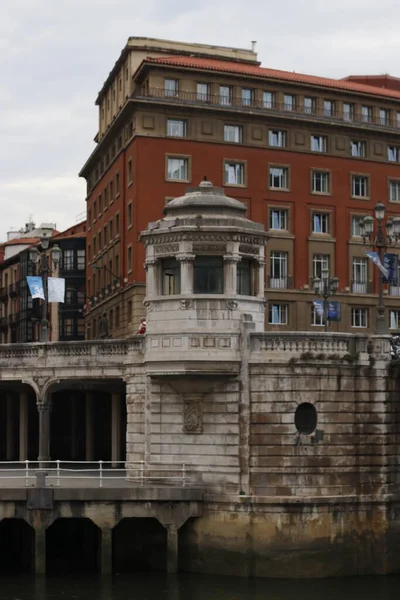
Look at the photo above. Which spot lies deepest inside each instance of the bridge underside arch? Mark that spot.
(19, 422)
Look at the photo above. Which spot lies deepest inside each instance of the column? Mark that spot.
(44, 409)
(10, 428)
(172, 548)
(261, 278)
(23, 426)
(74, 428)
(115, 429)
(40, 551)
(106, 551)
(89, 427)
(230, 274)
(187, 275)
(151, 266)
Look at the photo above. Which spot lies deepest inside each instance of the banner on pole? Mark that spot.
(319, 307)
(334, 311)
(56, 289)
(391, 263)
(374, 256)
(35, 285)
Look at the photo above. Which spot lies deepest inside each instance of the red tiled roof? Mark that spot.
(223, 66)
(22, 241)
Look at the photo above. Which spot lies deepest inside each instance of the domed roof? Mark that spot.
(208, 199)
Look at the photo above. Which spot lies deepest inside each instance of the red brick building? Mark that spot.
(310, 157)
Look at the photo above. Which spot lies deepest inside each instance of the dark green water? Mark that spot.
(198, 587)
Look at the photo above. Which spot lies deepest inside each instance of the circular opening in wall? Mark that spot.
(305, 418)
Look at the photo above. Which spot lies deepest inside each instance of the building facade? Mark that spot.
(309, 156)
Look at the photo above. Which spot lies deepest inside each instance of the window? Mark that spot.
(366, 114)
(117, 187)
(89, 218)
(177, 168)
(359, 317)
(117, 316)
(394, 289)
(316, 318)
(393, 154)
(129, 215)
(268, 99)
(208, 275)
(320, 263)
(171, 87)
(278, 270)
(100, 204)
(384, 116)
(277, 138)
(320, 182)
(203, 92)
(234, 173)
(68, 260)
(105, 196)
(130, 171)
(171, 276)
(117, 264)
(278, 314)
(394, 319)
(89, 253)
(360, 276)
(320, 223)
(233, 133)
(117, 224)
(289, 102)
(398, 118)
(176, 128)
(359, 186)
(94, 248)
(129, 259)
(309, 105)
(329, 108)
(99, 237)
(111, 192)
(247, 97)
(356, 225)
(358, 149)
(110, 230)
(105, 231)
(394, 190)
(279, 178)
(318, 143)
(81, 259)
(348, 111)
(278, 219)
(225, 95)
(243, 278)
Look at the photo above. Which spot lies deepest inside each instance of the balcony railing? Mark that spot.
(394, 290)
(251, 105)
(14, 289)
(362, 287)
(279, 283)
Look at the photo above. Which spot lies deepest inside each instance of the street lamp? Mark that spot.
(325, 287)
(380, 241)
(44, 266)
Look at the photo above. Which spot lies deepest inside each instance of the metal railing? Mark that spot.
(279, 283)
(258, 104)
(78, 474)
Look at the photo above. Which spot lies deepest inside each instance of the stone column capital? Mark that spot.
(185, 257)
(232, 258)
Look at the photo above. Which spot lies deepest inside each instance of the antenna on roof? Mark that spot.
(253, 45)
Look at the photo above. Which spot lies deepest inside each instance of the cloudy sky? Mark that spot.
(55, 55)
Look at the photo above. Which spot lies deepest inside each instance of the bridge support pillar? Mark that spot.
(115, 429)
(44, 431)
(40, 551)
(23, 426)
(10, 442)
(106, 551)
(89, 427)
(172, 548)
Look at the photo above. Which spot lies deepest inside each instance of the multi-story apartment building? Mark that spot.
(310, 156)
(20, 315)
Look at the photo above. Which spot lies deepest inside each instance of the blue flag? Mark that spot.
(36, 287)
(374, 256)
(391, 262)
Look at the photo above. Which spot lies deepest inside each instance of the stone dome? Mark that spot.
(206, 199)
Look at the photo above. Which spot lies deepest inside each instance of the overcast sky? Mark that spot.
(55, 55)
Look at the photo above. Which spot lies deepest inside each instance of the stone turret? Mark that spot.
(205, 265)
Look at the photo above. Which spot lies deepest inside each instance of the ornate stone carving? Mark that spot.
(185, 258)
(247, 249)
(231, 304)
(232, 258)
(149, 306)
(220, 248)
(185, 304)
(206, 237)
(193, 414)
(167, 250)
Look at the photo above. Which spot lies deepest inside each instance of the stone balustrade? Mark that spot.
(297, 343)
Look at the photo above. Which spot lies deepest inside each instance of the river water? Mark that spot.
(198, 587)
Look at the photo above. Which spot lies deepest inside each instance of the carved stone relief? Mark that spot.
(193, 413)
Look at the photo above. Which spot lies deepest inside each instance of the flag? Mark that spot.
(390, 262)
(377, 261)
(319, 307)
(56, 289)
(35, 285)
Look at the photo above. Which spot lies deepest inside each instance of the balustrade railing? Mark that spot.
(292, 342)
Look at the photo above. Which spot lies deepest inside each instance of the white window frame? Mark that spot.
(278, 175)
(203, 92)
(359, 269)
(234, 173)
(278, 269)
(320, 262)
(309, 105)
(359, 183)
(317, 320)
(320, 220)
(280, 217)
(394, 190)
(329, 108)
(393, 153)
(355, 225)
(394, 318)
(366, 114)
(320, 179)
(233, 134)
(247, 96)
(184, 165)
(176, 128)
(276, 138)
(348, 111)
(171, 88)
(268, 99)
(359, 317)
(289, 102)
(384, 116)
(225, 95)
(394, 290)
(358, 148)
(279, 313)
(318, 143)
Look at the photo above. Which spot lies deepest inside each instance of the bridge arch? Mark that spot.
(19, 421)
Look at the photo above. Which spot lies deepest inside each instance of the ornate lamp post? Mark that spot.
(325, 288)
(46, 261)
(380, 241)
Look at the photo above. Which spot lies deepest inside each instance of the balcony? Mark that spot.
(14, 289)
(236, 103)
(279, 283)
(3, 294)
(362, 287)
(394, 290)
(3, 324)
